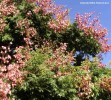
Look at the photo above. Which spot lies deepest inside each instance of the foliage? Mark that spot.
(63, 82)
(38, 48)
(43, 81)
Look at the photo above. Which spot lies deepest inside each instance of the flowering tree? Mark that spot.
(86, 36)
(24, 25)
(20, 24)
(93, 29)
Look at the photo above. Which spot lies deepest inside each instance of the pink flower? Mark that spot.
(93, 28)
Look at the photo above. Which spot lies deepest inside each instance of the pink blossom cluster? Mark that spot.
(60, 59)
(2, 25)
(85, 86)
(7, 8)
(23, 23)
(28, 32)
(106, 84)
(60, 20)
(94, 29)
(4, 90)
(10, 65)
(101, 65)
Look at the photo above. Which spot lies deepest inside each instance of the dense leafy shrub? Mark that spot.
(63, 82)
(44, 83)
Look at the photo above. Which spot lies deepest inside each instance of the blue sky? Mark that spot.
(104, 10)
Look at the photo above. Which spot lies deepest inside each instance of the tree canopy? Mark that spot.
(44, 56)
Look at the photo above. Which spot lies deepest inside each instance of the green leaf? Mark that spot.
(7, 37)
